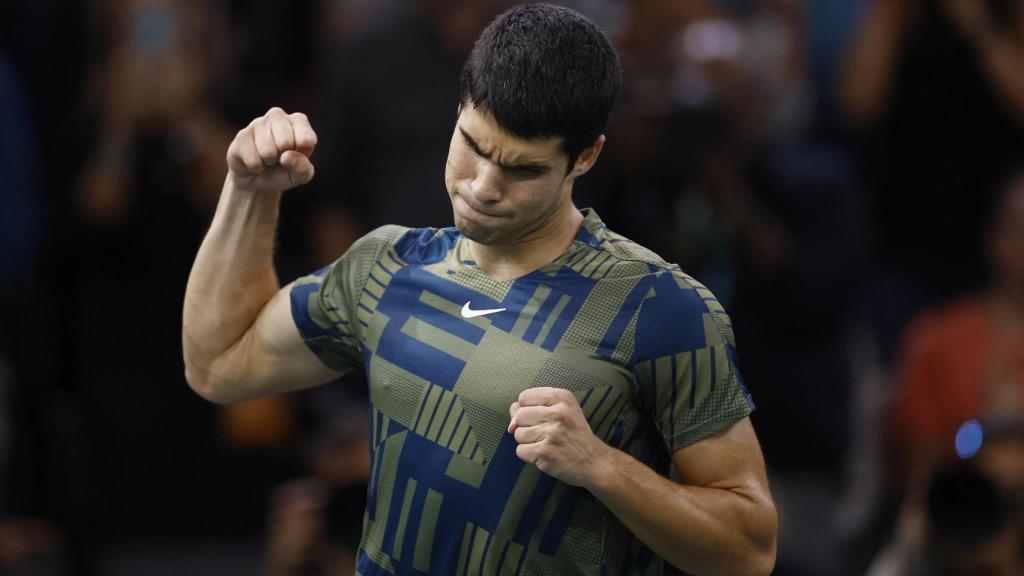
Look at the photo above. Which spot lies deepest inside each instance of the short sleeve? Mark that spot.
(324, 303)
(685, 362)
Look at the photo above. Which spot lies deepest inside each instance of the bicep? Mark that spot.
(730, 459)
(727, 472)
(279, 360)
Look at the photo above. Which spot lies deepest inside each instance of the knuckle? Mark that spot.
(275, 111)
(265, 144)
(283, 132)
(259, 127)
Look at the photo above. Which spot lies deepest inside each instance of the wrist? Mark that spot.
(602, 472)
(244, 208)
(242, 190)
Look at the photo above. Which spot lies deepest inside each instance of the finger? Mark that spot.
(530, 434)
(281, 131)
(242, 155)
(533, 415)
(305, 137)
(265, 146)
(530, 452)
(512, 415)
(234, 158)
(541, 396)
(300, 169)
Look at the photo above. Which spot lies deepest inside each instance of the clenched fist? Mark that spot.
(272, 153)
(554, 435)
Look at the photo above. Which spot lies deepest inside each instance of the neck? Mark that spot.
(549, 241)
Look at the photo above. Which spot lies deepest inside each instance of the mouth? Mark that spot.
(475, 213)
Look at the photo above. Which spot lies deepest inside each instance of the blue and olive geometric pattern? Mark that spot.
(646, 350)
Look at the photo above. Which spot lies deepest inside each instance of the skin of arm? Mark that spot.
(1000, 53)
(866, 76)
(238, 337)
(718, 519)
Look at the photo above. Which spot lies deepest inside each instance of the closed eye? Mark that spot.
(521, 171)
(525, 171)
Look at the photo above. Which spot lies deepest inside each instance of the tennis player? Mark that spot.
(546, 396)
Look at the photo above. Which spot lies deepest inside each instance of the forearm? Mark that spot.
(700, 530)
(231, 280)
(866, 75)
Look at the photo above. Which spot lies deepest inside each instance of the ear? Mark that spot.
(585, 161)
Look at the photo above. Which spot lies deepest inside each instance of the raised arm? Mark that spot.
(238, 336)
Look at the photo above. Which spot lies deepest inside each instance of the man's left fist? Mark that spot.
(554, 435)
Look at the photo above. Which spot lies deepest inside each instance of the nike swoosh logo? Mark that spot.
(469, 313)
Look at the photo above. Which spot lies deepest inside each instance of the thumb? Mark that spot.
(298, 166)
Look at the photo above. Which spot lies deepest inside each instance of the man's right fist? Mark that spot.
(272, 153)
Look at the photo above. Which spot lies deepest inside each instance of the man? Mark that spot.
(533, 376)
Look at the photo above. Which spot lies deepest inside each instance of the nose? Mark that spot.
(486, 185)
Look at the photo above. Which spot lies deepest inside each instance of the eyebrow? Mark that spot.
(530, 167)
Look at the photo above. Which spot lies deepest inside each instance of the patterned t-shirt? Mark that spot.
(646, 349)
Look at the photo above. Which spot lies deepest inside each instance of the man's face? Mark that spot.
(503, 188)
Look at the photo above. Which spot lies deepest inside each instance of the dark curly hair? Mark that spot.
(544, 71)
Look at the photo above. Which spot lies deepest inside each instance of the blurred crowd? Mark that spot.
(847, 177)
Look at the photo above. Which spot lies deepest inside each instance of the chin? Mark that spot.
(477, 233)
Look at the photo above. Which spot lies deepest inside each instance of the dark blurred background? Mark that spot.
(845, 175)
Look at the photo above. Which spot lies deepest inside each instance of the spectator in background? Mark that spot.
(964, 518)
(315, 522)
(387, 93)
(143, 197)
(964, 360)
(932, 92)
(936, 89)
(22, 538)
(960, 387)
(151, 90)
